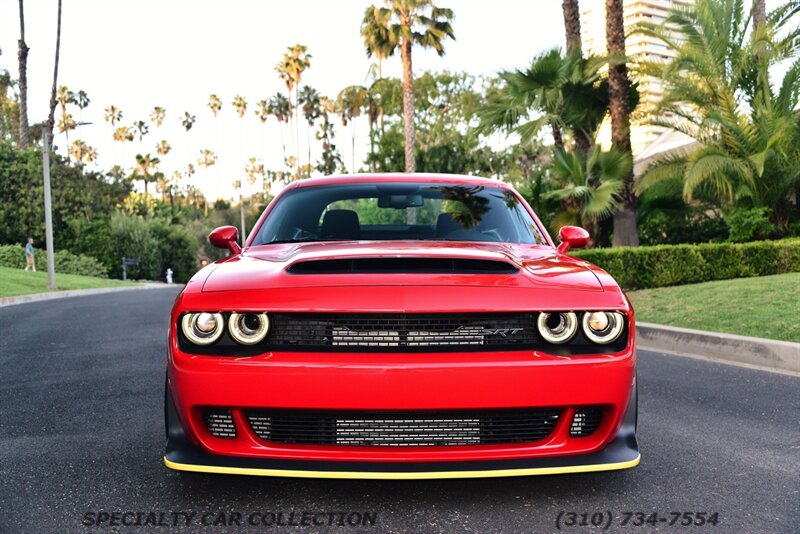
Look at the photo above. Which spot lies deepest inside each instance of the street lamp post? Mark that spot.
(48, 208)
(48, 213)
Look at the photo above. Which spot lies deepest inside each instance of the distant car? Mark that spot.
(400, 326)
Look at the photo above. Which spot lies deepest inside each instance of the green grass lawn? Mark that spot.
(768, 306)
(19, 282)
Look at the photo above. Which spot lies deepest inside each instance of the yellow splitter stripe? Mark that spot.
(420, 475)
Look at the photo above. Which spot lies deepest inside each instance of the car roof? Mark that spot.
(398, 177)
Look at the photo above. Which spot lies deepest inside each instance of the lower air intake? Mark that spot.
(585, 422)
(403, 429)
(219, 423)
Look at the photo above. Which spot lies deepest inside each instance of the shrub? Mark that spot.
(669, 265)
(12, 256)
(65, 262)
(68, 263)
(747, 224)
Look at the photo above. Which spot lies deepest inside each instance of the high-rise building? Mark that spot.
(639, 48)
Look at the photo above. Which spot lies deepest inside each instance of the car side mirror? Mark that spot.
(572, 237)
(226, 237)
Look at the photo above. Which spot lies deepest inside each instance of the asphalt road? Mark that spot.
(81, 433)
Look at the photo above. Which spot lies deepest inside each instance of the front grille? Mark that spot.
(219, 422)
(407, 331)
(585, 422)
(403, 429)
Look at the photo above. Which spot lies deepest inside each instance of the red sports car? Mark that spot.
(400, 326)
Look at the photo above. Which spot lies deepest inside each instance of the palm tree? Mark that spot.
(310, 102)
(51, 114)
(82, 152)
(141, 128)
(719, 92)
(625, 232)
(158, 115)
(290, 69)
(330, 159)
(215, 104)
(22, 57)
(377, 37)
(113, 115)
(146, 169)
(188, 120)
(262, 111)
(82, 99)
(280, 107)
(349, 104)
(572, 24)
(561, 92)
(590, 185)
(66, 123)
(123, 133)
(240, 105)
(163, 148)
(207, 158)
(410, 22)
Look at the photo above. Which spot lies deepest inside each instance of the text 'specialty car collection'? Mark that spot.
(400, 326)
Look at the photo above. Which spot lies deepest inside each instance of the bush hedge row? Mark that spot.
(670, 265)
(65, 261)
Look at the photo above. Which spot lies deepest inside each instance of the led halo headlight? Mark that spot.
(603, 327)
(557, 327)
(203, 328)
(248, 328)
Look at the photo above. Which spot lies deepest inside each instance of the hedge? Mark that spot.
(671, 265)
(65, 261)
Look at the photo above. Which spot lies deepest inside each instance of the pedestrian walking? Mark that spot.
(169, 275)
(30, 257)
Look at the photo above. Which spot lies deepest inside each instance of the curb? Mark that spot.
(756, 352)
(51, 295)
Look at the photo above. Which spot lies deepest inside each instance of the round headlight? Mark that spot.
(558, 327)
(202, 328)
(248, 328)
(603, 327)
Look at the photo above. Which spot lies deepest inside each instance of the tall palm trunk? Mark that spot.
(51, 116)
(296, 129)
(572, 27)
(572, 24)
(23, 80)
(625, 232)
(408, 104)
(759, 13)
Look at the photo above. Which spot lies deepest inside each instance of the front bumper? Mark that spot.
(509, 380)
(621, 453)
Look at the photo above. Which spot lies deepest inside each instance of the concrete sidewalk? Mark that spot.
(50, 295)
(755, 352)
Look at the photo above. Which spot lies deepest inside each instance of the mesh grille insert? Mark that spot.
(585, 422)
(219, 422)
(408, 332)
(403, 429)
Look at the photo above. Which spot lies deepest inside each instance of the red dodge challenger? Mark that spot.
(400, 327)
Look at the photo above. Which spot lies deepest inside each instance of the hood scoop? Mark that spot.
(404, 265)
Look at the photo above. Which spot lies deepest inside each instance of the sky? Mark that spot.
(137, 54)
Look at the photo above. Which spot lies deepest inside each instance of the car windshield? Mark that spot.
(399, 211)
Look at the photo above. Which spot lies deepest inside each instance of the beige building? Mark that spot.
(638, 47)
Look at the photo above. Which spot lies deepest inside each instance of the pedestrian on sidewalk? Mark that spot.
(30, 258)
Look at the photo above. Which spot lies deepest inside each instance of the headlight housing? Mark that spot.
(557, 327)
(203, 328)
(248, 328)
(603, 327)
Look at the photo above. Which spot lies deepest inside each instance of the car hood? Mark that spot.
(265, 267)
